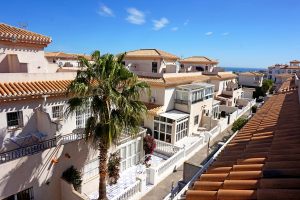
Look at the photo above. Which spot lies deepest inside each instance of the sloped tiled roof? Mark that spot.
(150, 53)
(32, 88)
(221, 76)
(153, 109)
(251, 74)
(174, 81)
(198, 59)
(14, 34)
(63, 55)
(262, 161)
(295, 61)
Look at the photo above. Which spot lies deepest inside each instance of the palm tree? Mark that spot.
(111, 93)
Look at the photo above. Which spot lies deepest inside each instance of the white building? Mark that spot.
(176, 106)
(65, 61)
(292, 68)
(250, 79)
(227, 89)
(197, 63)
(151, 62)
(37, 142)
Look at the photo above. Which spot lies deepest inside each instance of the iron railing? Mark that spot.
(25, 151)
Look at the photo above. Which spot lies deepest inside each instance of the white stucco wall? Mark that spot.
(144, 65)
(255, 81)
(31, 58)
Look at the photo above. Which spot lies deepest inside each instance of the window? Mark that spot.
(181, 66)
(23, 195)
(163, 128)
(130, 154)
(91, 169)
(81, 118)
(154, 67)
(196, 119)
(14, 119)
(181, 129)
(57, 111)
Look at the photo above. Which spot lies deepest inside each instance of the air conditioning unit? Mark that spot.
(152, 100)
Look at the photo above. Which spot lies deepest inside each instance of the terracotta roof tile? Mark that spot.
(263, 159)
(174, 81)
(153, 109)
(63, 55)
(23, 89)
(199, 59)
(150, 53)
(251, 74)
(14, 34)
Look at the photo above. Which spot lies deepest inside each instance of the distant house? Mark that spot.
(227, 89)
(64, 59)
(197, 63)
(151, 62)
(292, 68)
(250, 79)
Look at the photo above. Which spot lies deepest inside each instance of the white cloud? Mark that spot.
(209, 33)
(159, 24)
(174, 28)
(186, 22)
(106, 11)
(135, 16)
(225, 33)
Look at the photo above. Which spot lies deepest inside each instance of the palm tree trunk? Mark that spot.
(102, 170)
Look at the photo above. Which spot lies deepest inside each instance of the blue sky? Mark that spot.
(242, 33)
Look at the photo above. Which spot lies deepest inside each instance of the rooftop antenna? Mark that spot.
(23, 25)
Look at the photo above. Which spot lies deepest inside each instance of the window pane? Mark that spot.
(155, 134)
(169, 129)
(169, 120)
(162, 137)
(156, 125)
(168, 138)
(162, 127)
(163, 119)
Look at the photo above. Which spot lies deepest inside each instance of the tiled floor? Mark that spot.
(127, 179)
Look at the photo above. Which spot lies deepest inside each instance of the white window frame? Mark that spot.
(82, 117)
(57, 111)
(181, 129)
(130, 153)
(160, 131)
(91, 169)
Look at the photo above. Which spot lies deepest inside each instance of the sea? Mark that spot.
(243, 69)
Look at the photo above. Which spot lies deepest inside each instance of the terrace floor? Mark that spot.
(127, 179)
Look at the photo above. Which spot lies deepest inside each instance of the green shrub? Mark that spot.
(73, 176)
(254, 109)
(238, 124)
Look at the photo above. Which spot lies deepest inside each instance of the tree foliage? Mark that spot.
(238, 124)
(111, 93)
(73, 176)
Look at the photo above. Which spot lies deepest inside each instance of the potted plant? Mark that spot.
(73, 176)
(149, 146)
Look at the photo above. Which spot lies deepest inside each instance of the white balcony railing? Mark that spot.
(129, 192)
(166, 148)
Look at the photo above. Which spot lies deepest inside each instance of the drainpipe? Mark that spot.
(44, 102)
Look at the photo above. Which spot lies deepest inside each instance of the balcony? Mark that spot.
(193, 93)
